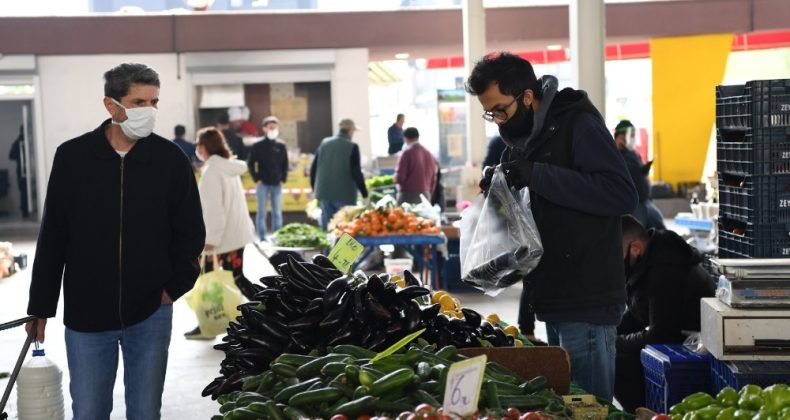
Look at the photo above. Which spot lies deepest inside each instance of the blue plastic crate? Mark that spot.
(671, 373)
(736, 374)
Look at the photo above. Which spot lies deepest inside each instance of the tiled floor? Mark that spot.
(192, 364)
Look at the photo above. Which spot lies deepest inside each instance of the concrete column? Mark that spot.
(588, 42)
(474, 18)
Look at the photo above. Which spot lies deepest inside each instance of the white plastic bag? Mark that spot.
(498, 238)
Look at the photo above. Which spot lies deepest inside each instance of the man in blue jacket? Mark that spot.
(122, 231)
(559, 147)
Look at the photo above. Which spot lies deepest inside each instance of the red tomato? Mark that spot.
(531, 415)
(513, 413)
(365, 417)
(403, 415)
(424, 408)
(661, 417)
(339, 417)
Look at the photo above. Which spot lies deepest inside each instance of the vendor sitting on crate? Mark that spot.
(664, 284)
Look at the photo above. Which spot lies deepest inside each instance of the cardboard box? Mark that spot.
(585, 407)
(529, 362)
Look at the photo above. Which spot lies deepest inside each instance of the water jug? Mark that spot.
(39, 390)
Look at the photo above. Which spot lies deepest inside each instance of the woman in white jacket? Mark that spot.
(229, 227)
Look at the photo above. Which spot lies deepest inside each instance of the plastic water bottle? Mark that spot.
(39, 390)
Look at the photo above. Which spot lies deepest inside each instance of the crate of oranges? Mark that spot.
(387, 221)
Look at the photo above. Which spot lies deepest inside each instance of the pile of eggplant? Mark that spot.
(309, 306)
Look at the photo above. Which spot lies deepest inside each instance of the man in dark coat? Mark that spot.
(559, 147)
(664, 283)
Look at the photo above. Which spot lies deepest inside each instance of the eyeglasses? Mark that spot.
(500, 113)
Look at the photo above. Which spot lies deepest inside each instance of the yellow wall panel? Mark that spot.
(686, 71)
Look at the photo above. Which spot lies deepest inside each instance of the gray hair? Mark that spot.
(118, 79)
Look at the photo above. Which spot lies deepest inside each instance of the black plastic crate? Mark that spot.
(741, 240)
(757, 104)
(736, 374)
(760, 200)
(763, 151)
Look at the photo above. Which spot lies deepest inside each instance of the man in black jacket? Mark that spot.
(559, 147)
(268, 165)
(122, 230)
(664, 283)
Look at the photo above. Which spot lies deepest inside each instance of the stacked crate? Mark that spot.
(753, 159)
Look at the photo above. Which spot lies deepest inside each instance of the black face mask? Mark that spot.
(518, 127)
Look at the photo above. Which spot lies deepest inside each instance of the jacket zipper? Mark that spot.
(120, 254)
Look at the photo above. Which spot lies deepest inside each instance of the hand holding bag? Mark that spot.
(214, 299)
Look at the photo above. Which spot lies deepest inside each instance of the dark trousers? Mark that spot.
(629, 381)
(526, 313)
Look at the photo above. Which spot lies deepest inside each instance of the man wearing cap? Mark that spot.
(268, 164)
(336, 173)
(646, 212)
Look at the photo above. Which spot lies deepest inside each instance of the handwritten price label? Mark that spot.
(345, 252)
(464, 380)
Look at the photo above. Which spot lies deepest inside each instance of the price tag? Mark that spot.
(464, 380)
(345, 252)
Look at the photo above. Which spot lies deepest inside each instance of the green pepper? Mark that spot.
(750, 389)
(784, 414)
(709, 412)
(727, 413)
(764, 415)
(742, 414)
(691, 415)
(776, 397)
(727, 397)
(698, 400)
(751, 402)
(678, 409)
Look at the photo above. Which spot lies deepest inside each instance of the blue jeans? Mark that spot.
(592, 351)
(264, 193)
(93, 363)
(328, 209)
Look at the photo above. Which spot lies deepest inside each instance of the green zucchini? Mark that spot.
(392, 381)
(316, 396)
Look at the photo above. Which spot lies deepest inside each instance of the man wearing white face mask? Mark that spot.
(268, 165)
(122, 231)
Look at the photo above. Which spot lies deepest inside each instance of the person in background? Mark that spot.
(268, 165)
(646, 211)
(496, 146)
(237, 116)
(228, 225)
(122, 231)
(187, 146)
(664, 284)
(416, 172)
(17, 154)
(336, 173)
(559, 147)
(395, 135)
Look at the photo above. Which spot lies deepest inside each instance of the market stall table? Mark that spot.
(422, 247)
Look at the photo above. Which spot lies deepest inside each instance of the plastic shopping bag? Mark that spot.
(498, 238)
(214, 299)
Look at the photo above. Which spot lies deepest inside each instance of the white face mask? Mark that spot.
(273, 133)
(139, 121)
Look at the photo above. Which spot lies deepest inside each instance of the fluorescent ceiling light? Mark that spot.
(402, 56)
(554, 47)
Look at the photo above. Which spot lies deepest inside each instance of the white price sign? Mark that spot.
(464, 380)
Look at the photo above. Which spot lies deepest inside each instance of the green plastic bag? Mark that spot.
(214, 299)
